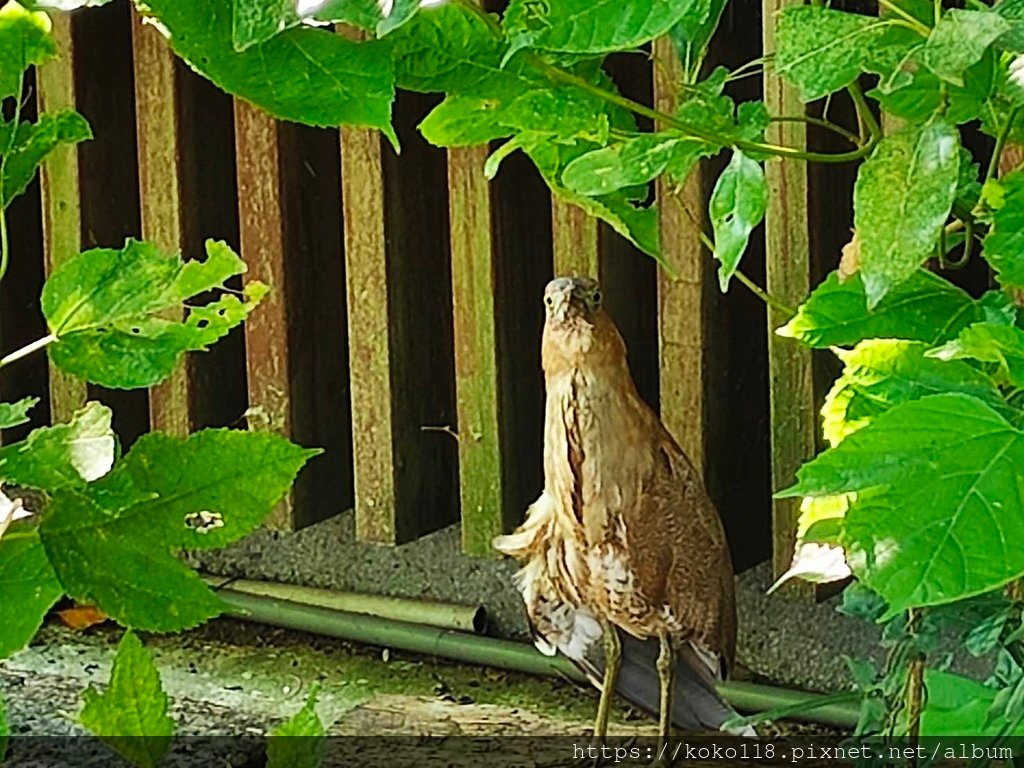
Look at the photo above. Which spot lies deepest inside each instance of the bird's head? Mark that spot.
(577, 331)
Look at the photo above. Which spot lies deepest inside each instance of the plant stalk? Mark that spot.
(27, 350)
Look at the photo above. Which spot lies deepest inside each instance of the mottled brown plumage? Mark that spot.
(624, 534)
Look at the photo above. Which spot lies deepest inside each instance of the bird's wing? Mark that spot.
(675, 529)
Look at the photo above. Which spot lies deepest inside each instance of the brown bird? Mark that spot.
(624, 536)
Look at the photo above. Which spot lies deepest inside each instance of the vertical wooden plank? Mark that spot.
(482, 471)
(261, 231)
(681, 314)
(156, 115)
(62, 215)
(369, 335)
(574, 240)
(793, 418)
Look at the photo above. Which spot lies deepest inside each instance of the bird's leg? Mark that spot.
(612, 657)
(666, 667)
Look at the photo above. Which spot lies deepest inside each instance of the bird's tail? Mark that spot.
(696, 704)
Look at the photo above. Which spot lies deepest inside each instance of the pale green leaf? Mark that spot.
(168, 494)
(256, 21)
(307, 75)
(24, 41)
(465, 121)
(633, 161)
(821, 50)
(737, 205)
(64, 455)
(925, 307)
(108, 310)
(959, 41)
(882, 373)
(130, 715)
(902, 198)
(13, 414)
(590, 26)
(300, 741)
(33, 142)
(1004, 243)
(28, 587)
(945, 506)
(989, 343)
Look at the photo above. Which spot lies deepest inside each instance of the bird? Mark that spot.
(623, 537)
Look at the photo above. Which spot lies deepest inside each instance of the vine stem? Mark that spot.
(909, 21)
(828, 125)
(1001, 139)
(27, 350)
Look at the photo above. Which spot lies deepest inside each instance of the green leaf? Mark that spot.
(821, 50)
(737, 206)
(959, 41)
(989, 343)
(1004, 243)
(28, 587)
(924, 307)
(693, 32)
(63, 456)
(300, 741)
(882, 373)
(307, 75)
(944, 477)
(465, 121)
(634, 161)
(590, 26)
(901, 200)
(914, 93)
(705, 105)
(956, 705)
(108, 311)
(256, 21)
(365, 14)
(130, 716)
(167, 495)
(33, 142)
(24, 41)
(14, 414)
(1013, 12)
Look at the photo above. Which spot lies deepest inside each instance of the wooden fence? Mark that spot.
(406, 305)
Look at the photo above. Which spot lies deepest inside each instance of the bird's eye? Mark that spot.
(549, 300)
(596, 297)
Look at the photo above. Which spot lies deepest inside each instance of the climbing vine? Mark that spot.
(918, 494)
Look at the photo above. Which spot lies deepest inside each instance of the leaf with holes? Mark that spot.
(108, 311)
(925, 307)
(307, 75)
(901, 200)
(592, 26)
(943, 507)
(28, 587)
(737, 205)
(166, 495)
(130, 716)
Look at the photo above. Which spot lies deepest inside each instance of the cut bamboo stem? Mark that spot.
(465, 618)
(488, 651)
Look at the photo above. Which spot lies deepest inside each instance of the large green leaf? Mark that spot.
(300, 741)
(956, 705)
(166, 495)
(13, 414)
(32, 143)
(307, 75)
(28, 587)
(821, 50)
(592, 26)
(989, 343)
(959, 41)
(945, 501)
(107, 310)
(925, 307)
(915, 93)
(24, 41)
(130, 716)
(633, 161)
(1004, 243)
(737, 205)
(902, 198)
(64, 455)
(882, 373)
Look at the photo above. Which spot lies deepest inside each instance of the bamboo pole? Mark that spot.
(465, 618)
